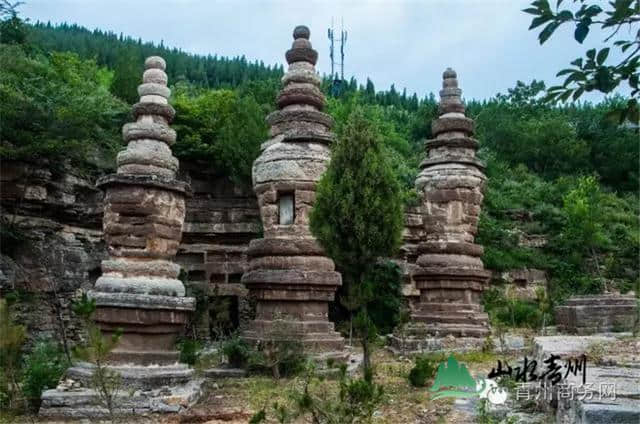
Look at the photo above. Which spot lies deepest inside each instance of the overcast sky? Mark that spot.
(408, 43)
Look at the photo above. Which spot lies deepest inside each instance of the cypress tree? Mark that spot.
(358, 214)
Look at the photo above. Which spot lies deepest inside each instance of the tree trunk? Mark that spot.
(350, 328)
(57, 307)
(366, 356)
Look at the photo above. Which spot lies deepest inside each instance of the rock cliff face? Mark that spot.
(57, 246)
(222, 218)
(51, 243)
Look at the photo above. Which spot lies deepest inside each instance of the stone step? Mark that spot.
(445, 329)
(137, 377)
(609, 414)
(429, 307)
(84, 403)
(457, 318)
(312, 342)
(294, 326)
(596, 300)
(143, 358)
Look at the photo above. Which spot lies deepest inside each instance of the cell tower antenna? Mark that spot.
(343, 40)
(331, 39)
(335, 81)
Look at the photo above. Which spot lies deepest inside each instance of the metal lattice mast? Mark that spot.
(335, 81)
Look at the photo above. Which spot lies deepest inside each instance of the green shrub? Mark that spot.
(511, 311)
(237, 351)
(283, 358)
(220, 127)
(43, 368)
(189, 351)
(57, 108)
(520, 313)
(425, 368)
(12, 337)
(355, 401)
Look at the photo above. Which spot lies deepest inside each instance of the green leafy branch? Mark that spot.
(592, 72)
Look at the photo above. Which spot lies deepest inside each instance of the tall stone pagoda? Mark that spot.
(450, 274)
(139, 292)
(144, 210)
(288, 273)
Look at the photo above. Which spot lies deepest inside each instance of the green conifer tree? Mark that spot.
(358, 214)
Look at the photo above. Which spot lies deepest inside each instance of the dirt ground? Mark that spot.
(236, 400)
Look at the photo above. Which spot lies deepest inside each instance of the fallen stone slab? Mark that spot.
(78, 403)
(611, 393)
(221, 372)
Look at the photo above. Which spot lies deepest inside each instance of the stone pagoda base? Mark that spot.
(318, 339)
(417, 338)
(293, 284)
(145, 390)
(597, 314)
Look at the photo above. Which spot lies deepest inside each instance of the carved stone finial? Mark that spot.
(449, 73)
(301, 31)
(149, 138)
(450, 95)
(301, 49)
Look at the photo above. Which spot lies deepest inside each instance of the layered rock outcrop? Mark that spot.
(51, 246)
(407, 256)
(289, 275)
(222, 218)
(57, 218)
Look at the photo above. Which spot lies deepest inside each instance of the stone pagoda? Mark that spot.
(288, 273)
(450, 274)
(139, 292)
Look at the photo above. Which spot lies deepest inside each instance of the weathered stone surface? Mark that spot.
(448, 270)
(523, 283)
(295, 277)
(153, 89)
(83, 403)
(144, 211)
(597, 314)
(620, 405)
(148, 130)
(465, 142)
(288, 273)
(164, 110)
(59, 251)
(64, 242)
(154, 75)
